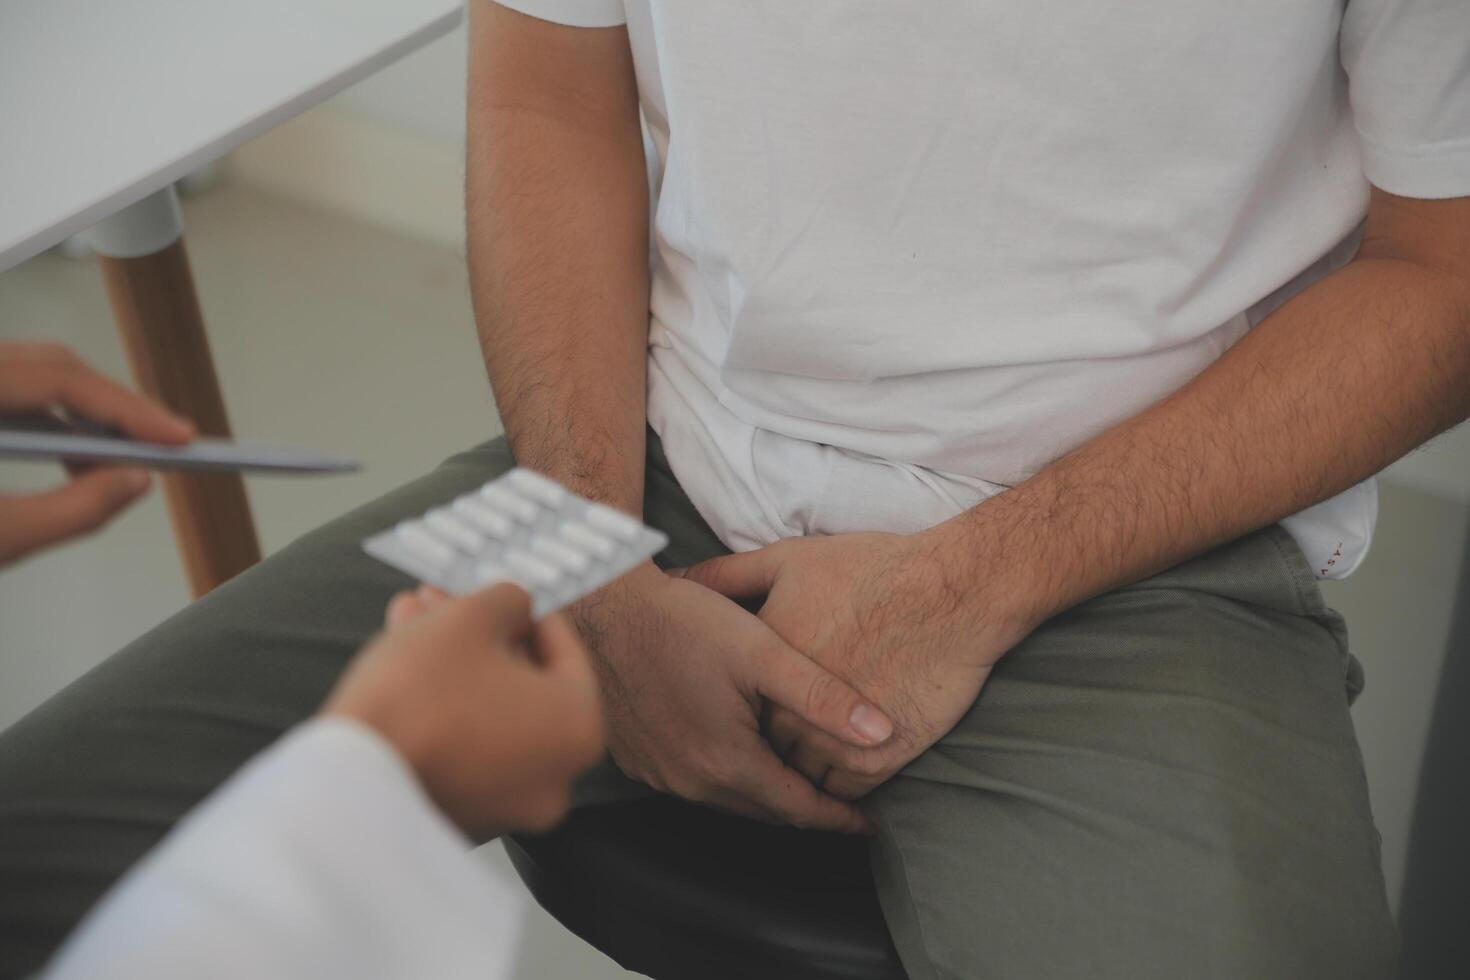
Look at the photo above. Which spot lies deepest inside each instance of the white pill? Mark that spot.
(492, 522)
(537, 487)
(523, 564)
(423, 545)
(613, 522)
(487, 573)
(449, 527)
(523, 529)
(588, 540)
(562, 554)
(503, 500)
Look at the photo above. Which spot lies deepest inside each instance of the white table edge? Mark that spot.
(109, 204)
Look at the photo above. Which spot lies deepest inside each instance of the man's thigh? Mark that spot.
(95, 776)
(1163, 782)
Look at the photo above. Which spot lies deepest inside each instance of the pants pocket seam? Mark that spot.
(1304, 583)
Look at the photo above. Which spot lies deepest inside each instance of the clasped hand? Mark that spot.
(893, 615)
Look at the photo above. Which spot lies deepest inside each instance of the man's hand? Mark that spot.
(38, 377)
(686, 674)
(556, 198)
(889, 614)
(496, 717)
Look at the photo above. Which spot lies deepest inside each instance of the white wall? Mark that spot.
(423, 94)
(389, 151)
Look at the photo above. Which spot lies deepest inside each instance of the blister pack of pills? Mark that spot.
(521, 527)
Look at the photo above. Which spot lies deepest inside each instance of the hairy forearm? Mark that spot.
(557, 210)
(1347, 377)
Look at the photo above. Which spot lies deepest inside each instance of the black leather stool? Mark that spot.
(680, 892)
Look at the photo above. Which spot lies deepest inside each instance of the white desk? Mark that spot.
(104, 104)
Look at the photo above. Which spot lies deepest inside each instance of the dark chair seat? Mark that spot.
(680, 892)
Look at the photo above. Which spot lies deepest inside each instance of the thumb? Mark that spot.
(83, 505)
(501, 611)
(746, 575)
(803, 686)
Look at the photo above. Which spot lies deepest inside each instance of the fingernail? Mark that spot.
(870, 723)
(134, 481)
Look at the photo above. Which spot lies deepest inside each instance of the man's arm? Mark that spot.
(557, 197)
(1348, 376)
(1339, 382)
(557, 207)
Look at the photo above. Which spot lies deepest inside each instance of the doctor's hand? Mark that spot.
(495, 715)
(36, 377)
(890, 615)
(685, 675)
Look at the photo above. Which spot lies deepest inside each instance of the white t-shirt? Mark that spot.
(908, 254)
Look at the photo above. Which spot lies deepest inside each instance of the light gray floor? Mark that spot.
(338, 336)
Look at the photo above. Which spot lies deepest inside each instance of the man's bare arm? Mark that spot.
(1345, 378)
(557, 208)
(557, 197)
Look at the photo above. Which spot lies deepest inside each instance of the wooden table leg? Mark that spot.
(146, 272)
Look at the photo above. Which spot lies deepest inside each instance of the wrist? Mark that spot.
(636, 582)
(601, 466)
(433, 752)
(595, 615)
(997, 567)
(411, 739)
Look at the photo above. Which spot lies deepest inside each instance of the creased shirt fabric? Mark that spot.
(907, 254)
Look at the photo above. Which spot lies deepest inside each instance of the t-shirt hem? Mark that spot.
(571, 13)
(1431, 171)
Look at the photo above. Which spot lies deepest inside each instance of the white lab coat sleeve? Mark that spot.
(321, 858)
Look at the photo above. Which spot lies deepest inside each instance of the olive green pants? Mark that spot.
(1162, 782)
